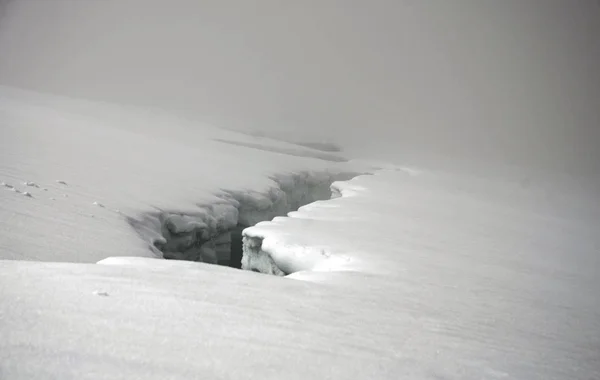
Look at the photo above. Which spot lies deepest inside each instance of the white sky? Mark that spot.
(487, 81)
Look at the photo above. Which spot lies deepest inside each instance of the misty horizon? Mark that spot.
(480, 82)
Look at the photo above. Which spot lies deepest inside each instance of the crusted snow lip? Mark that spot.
(264, 252)
(268, 249)
(209, 233)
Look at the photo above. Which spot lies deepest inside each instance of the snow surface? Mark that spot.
(102, 166)
(404, 274)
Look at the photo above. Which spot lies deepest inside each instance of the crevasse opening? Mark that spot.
(213, 234)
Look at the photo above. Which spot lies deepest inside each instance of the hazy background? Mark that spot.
(462, 81)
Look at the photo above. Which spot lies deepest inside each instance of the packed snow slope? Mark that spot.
(75, 174)
(436, 277)
(404, 274)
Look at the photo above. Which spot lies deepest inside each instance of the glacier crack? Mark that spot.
(214, 233)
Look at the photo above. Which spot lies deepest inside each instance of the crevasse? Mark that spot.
(213, 233)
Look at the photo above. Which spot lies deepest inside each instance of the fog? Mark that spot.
(466, 82)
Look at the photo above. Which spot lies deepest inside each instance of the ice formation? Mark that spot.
(213, 234)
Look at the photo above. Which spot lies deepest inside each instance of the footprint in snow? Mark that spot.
(61, 182)
(98, 204)
(101, 294)
(31, 184)
(27, 194)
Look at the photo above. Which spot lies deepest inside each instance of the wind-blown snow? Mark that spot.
(401, 274)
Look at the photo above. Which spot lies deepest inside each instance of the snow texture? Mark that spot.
(120, 167)
(403, 274)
